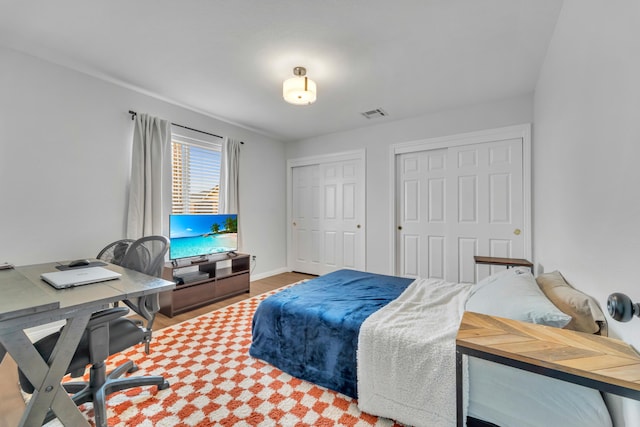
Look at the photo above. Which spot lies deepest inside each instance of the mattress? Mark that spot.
(311, 330)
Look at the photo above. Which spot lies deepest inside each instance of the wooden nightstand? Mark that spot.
(601, 363)
(508, 262)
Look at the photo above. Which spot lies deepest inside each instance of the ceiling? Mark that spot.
(228, 58)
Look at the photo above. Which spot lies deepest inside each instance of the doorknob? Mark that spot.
(294, 224)
(399, 227)
(517, 231)
(358, 226)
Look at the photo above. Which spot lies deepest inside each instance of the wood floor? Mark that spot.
(257, 287)
(11, 403)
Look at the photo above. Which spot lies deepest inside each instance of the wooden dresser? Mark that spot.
(602, 363)
(208, 283)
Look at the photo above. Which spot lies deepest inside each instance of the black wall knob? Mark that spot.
(621, 308)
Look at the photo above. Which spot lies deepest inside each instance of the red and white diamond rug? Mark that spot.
(214, 382)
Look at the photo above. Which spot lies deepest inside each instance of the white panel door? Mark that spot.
(487, 206)
(342, 207)
(458, 202)
(305, 201)
(422, 209)
(328, 216)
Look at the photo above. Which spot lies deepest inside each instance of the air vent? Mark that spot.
(374, 114)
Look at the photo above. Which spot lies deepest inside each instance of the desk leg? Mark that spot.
(459, 391)
(46, 377)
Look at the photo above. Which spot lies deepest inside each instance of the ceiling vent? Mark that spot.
(374, 114)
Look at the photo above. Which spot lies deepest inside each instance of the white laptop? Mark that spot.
(83, 276)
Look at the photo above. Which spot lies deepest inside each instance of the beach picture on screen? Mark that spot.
(196, 235)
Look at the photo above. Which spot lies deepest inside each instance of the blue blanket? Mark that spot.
(311, 330)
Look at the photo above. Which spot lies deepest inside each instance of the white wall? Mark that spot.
(376, 140)
(586, 150)
(65, 148)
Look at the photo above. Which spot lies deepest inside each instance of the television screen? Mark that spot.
(197, 235)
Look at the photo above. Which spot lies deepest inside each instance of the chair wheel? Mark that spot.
(133, 369)
(163, 385)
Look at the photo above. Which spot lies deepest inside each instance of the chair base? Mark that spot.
(101, 385)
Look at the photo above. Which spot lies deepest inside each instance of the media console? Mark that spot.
(211, 281)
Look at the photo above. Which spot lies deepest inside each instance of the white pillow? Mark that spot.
(513, 293)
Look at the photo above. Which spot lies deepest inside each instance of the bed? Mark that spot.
(389, 342)
(311, 330)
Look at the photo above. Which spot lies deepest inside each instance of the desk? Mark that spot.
(27, 301)
(601, 363)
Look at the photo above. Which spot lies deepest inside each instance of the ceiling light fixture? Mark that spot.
(299, 90)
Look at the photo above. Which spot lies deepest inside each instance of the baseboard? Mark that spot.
(269, 273)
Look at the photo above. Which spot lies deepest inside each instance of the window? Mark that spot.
(195, 175)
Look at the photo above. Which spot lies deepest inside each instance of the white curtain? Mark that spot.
(229, 201)
(230, 177)
(150, 187)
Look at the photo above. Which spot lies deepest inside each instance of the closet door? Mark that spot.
(305, 214)
(422, 180)
(327, 230)
(487, 212)
(342, 205)
(458, 202)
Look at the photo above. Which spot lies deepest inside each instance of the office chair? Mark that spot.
(107, 333)
(114, 252)
(146, 255)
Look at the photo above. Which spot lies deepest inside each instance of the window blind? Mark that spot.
(195, 175)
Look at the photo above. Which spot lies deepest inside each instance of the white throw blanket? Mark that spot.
(406, 355)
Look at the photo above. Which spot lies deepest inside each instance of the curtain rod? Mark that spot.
(134, 114)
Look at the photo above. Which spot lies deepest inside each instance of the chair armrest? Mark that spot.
(97, 332)
(105, 316)
(146, 306)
